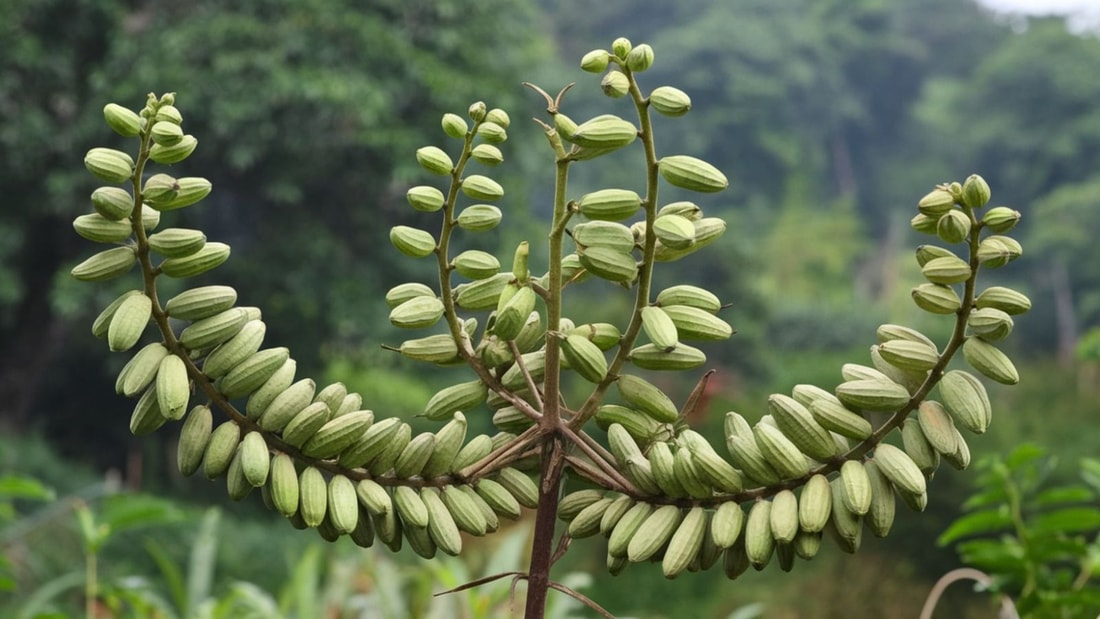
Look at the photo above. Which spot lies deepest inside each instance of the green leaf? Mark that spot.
(169, 572)
(129, 511)
(1000, 556)
(19, 487)
(977, 523)
(200, 569)
(1065, 494)
(1023, 455)
(993, 496)
(1069, 520)
(1090, 472)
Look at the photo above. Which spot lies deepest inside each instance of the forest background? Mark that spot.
(831, 117)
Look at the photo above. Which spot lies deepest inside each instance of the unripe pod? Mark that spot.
(175, 153)
(923, 223)
(481, 187)
(105, 265)
(946, 270)
(166, 133)
(953, 227)
(683, 357)
(479, 217)
(99, 229)
(604, 234)
(113, 203)
(1001, 219)
(926, 253)
(610, 264)
(908, 355)
(595, 61)
(487, 154)
(965, 398)
(604, 132)
(189, 190)
(936, 203)
(693, 323)
(975, 191)
(177, 242)
(659, 328)
(674, 231)
(647, 397)
(412, 242)
(990, 361)
(610, 204)
(482, 294)
(615, 84)
(692, 296)
(874, 395)
(692, 173)
(476, 264)
(168, 112)
(201, 302)
(990, 323)
(1004, 299)
(670, 101)
(492, 133)
(454, 125)
(209, 256)
(936, 298)
(123, 121)
(584, 357)
(108, 164)
(997, 251)
(417, 313)
(425, 198)
(478, 110)
(434, 160)
(499, 117)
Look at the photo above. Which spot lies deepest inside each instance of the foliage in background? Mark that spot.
(1036, 535)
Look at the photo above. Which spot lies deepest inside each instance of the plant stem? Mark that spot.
(538, 573)
(91, 584)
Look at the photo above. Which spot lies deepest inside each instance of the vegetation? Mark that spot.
(843, 111)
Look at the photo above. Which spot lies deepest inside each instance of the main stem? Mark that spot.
(553, 454)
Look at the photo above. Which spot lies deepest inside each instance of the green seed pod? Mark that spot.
(482, 294)
(123, 121)
(604, 132)
(691, 173)
(692, 296)
(454, 125)
(683, 357)
(105, 265)
(177, 242)
(1001, 219)
(476, 264)
(481, 187)
(498, 116)
(990, 361)
(659, 328)
(460, 397)
(674, 231)
(990, 323)
(946, 270)
(927, 253)
(693, 323)
(603, 334)
(953, 227)
(923, 223)
(412, 242)
(188, 191)
(640, 58)
(403, 292)
(477, 111)
(168, 113)
(610, 204)
(175, 153)
(975, 191)
(210, 256)
(610, 264)
(99, 229)
(621, 47)
(108, 164)
(615, 84)
(604, 234)
(584, 357)
(936, 203)
(595, 61)
(417, 313)
(113, 203)
(707, 230)
(492, 133)
(433, 348)
(1005, 299)
(997, 251)
(487, 154)
(434, 160)
(425, 198)
(936, 298)
(686, 209)
(670, 101)
(166, 133)
(479, 217)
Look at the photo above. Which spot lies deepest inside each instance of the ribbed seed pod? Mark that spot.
(686, 542)
(473, 451)
(498, 497)
(815, 505)
(441, 524)
(220, 451)
(287, 404)
(647, 397)
(615, 510)
(520, 486)
(782, 454)
(492, 522)
(747, 456)
(271, 388)
(173, 387)
(373, 497)
(784, 516)
(901, 471)
(759, 542)
(847, 525)
(313, 496)
(573, 503)
(857, 487)
(654, 533)
(410, 506)
(937, 427)
(236, 484)
(586, 522)
(284, 485)
(663, 463)
(917, 447)
(726, 524)
(343, 505)
(194, 437)
(448, 441)
(834, 416)
(414, 456)
(880, 517)
(799, 426)
(683, 466)
(627, 528)
(374, 442)
(255, 459)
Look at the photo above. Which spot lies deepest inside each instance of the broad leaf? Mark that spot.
(1068, 520)
(977, 523)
